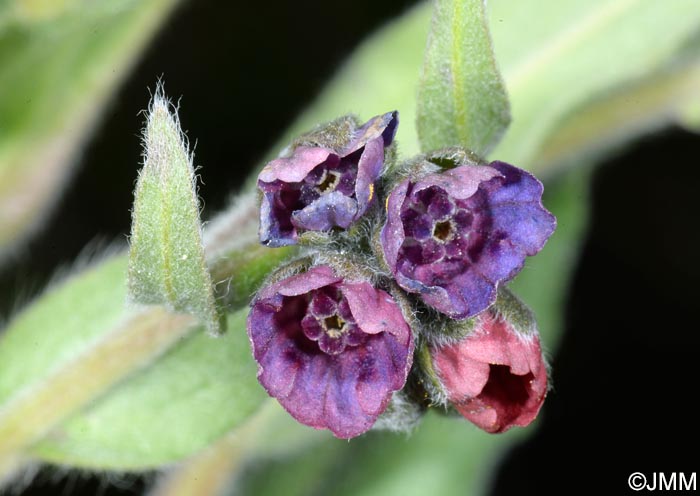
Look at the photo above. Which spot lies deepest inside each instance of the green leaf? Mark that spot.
(51, 99)
(67, 347)
(166, 256)
(574, 51)
(197, 392)
(79, 339)
(461, 97)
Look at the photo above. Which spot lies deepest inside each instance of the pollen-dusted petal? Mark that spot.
(418, 226)
(381, 126)
(344, 310)
(368, 171)
(460, 182)
(323, 304)
(328, 211)
(295, 168)
(331, 345)
(440, 206)
(347, 172)
(432, 251)
(314, 278)
(311, 327)
(375, 310)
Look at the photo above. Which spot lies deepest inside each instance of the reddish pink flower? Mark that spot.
(496, 376)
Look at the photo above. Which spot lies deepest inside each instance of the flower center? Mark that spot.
(334, 325)
(442, 231)
(328, 182)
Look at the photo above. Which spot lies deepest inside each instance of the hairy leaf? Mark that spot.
(197, 392)
(557, 58)
(166, 256)
(461, 97)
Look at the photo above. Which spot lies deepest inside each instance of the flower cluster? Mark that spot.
(335, 331)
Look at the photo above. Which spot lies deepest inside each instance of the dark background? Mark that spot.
(626, 372)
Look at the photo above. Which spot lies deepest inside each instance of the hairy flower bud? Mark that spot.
(496, 376)
(453, 236)
(323, 186)
(332, 351)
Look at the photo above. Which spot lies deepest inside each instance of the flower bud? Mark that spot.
(324, 184)
(453, 236)
(330, 350)
(495, 377)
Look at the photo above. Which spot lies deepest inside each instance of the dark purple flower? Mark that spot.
(495, 377)
(331, 351)
(454, 236)
(317, 188)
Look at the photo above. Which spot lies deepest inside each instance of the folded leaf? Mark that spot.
(461, 97)
(166, 256)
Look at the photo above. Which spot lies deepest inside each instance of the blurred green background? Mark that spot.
(624, 371)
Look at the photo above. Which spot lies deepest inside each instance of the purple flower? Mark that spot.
(454, 236)
(318, 188)
(331, 351)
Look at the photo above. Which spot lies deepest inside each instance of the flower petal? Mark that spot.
(314, 278)
(496, 376)
(342, 383)
(295, 168)
(484, 221)
(375, 311)
(368, 170)
(329, 210)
